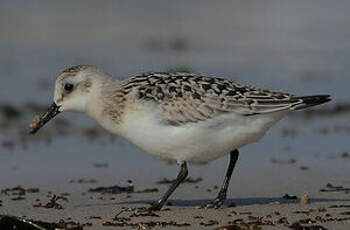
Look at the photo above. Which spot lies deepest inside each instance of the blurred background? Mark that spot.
(299, 47)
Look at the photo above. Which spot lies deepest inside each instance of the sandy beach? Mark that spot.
(329, 206)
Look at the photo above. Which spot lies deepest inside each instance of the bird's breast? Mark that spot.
(198, 142)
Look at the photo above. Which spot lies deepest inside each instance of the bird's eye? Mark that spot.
(68, 87)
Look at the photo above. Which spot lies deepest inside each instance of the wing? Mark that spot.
(187, 97)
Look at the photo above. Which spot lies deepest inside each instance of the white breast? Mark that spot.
(199, 142)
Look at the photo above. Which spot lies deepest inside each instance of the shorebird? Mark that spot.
(176, 117)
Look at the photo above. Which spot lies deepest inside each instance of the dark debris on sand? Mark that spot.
(148, 190)
(116, 189)
(187, 180)
(332, 188)
(289, 197)
(345, 155)
(84, 181)
(298, 226)
(13, 222)
(145, 224)
(340, 206)
(209, 223)
(239, 227)
(283, 162)
(101, 165)
(18, 191)
(52, 203)
(118, 221)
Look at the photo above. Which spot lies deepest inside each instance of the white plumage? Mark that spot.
(198, 142)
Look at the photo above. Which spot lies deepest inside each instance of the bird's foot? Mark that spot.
(143, 211)
(155, 206)
(217, 203)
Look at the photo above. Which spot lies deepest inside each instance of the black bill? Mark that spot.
(52, 111)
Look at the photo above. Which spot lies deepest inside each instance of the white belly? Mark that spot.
(194, 142)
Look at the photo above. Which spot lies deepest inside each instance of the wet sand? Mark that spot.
(328, 208)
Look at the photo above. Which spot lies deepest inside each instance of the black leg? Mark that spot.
(221, 197)
(180, 177)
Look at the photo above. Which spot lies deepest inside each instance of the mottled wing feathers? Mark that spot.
(188, 97)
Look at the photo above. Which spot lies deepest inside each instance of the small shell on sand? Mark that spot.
(34, 123)
(305, 199)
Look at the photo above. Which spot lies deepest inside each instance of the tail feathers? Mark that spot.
(308, 101)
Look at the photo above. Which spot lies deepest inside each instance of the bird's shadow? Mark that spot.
(237, 202)
(228, 202)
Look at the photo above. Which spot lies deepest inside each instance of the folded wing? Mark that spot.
(187, 97)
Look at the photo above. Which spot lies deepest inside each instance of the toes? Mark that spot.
(142, 209)
(141, 212)
(156, 206)
(215, 204)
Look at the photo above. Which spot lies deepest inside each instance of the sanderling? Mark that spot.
(176, 117)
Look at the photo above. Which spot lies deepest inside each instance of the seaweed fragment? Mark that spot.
(14, 222)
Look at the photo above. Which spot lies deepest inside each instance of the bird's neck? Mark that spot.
(106, 105)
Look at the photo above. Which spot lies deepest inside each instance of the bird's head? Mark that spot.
(73, 87)
(73, 90)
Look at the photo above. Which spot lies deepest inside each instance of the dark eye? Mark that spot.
(68, 87)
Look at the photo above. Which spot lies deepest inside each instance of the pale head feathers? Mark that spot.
(75, 87)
